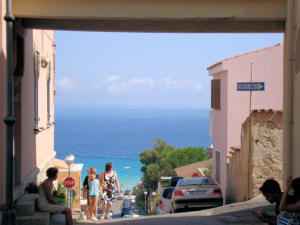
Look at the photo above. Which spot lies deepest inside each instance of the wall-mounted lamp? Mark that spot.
(44, 62)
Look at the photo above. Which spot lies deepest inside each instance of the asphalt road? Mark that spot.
(233, 214)
(116, 209)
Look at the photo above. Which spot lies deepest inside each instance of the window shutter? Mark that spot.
(216, 94)
(36, 90)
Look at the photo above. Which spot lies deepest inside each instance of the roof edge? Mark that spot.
(247, 53)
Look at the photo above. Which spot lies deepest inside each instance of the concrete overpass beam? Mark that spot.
(154, 16)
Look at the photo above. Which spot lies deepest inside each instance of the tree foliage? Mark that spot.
(164, 158)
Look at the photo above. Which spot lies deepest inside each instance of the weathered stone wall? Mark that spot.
(259, 157)
(238, 172)
(267, 143)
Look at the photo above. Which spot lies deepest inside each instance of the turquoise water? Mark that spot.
(97, 136)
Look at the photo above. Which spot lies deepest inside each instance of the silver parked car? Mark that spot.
(196, 193)
(164, 204)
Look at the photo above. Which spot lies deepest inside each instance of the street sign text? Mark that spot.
(251, 86)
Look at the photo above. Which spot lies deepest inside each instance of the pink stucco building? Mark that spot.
(231, 107)
(34, 61)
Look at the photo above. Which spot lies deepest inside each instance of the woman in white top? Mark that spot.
(108, 178)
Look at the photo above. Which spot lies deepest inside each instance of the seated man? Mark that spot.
(288, 206)
(46, 203)
(272, 192)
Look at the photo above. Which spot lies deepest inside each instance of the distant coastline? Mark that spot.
(96, 136)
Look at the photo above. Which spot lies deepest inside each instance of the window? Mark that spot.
(217, 166)
(216, 94)
(168, 193)
(18, 55)
(48, 92)
(198, 181)
(36, 89)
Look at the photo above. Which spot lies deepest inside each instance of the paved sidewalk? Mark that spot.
(238, 213)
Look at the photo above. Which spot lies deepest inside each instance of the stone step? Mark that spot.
(39, 218)
(58, 219)
(27, 205)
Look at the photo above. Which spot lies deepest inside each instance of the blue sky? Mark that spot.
(143, 70)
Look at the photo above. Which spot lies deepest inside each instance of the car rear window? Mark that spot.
(168, 193)
(195, 181)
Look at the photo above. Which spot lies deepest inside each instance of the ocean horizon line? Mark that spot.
(62, 107)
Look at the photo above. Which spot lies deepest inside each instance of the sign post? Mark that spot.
(69, 182)
(69, 160)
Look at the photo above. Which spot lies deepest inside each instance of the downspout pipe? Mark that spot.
(9, 215)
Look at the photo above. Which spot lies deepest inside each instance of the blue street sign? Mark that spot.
(251, 86)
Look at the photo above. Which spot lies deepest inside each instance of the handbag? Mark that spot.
(285, 218)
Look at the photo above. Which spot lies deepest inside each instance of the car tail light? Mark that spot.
(178, 193)
(217, 191)
(160, 204)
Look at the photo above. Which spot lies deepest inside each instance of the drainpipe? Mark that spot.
(9, 215)
(289, 40)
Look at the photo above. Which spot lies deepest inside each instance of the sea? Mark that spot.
(97, 136)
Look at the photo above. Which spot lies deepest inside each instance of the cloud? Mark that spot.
(115, 84)
(112, 79)
(198, 86)
(181, 85)
(144, 83)
(65, 83)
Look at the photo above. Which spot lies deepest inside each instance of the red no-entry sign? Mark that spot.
(69, 182)
(195, 175)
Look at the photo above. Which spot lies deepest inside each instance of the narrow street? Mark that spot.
(238, 213)
(116, 210)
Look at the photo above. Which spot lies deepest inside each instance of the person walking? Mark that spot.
(94, 192)
(108, 179)
(85, 188)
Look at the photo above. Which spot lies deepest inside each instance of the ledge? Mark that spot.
(40, 129)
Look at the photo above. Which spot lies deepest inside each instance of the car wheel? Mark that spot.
(173, 210)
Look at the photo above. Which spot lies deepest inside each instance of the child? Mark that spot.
(94, 190)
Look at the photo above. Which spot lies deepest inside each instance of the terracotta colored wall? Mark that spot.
(220, 129)
(45, 138)
(37, 146)
(2, 98)
(238, 170)
(28, 139)
(267, 67)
